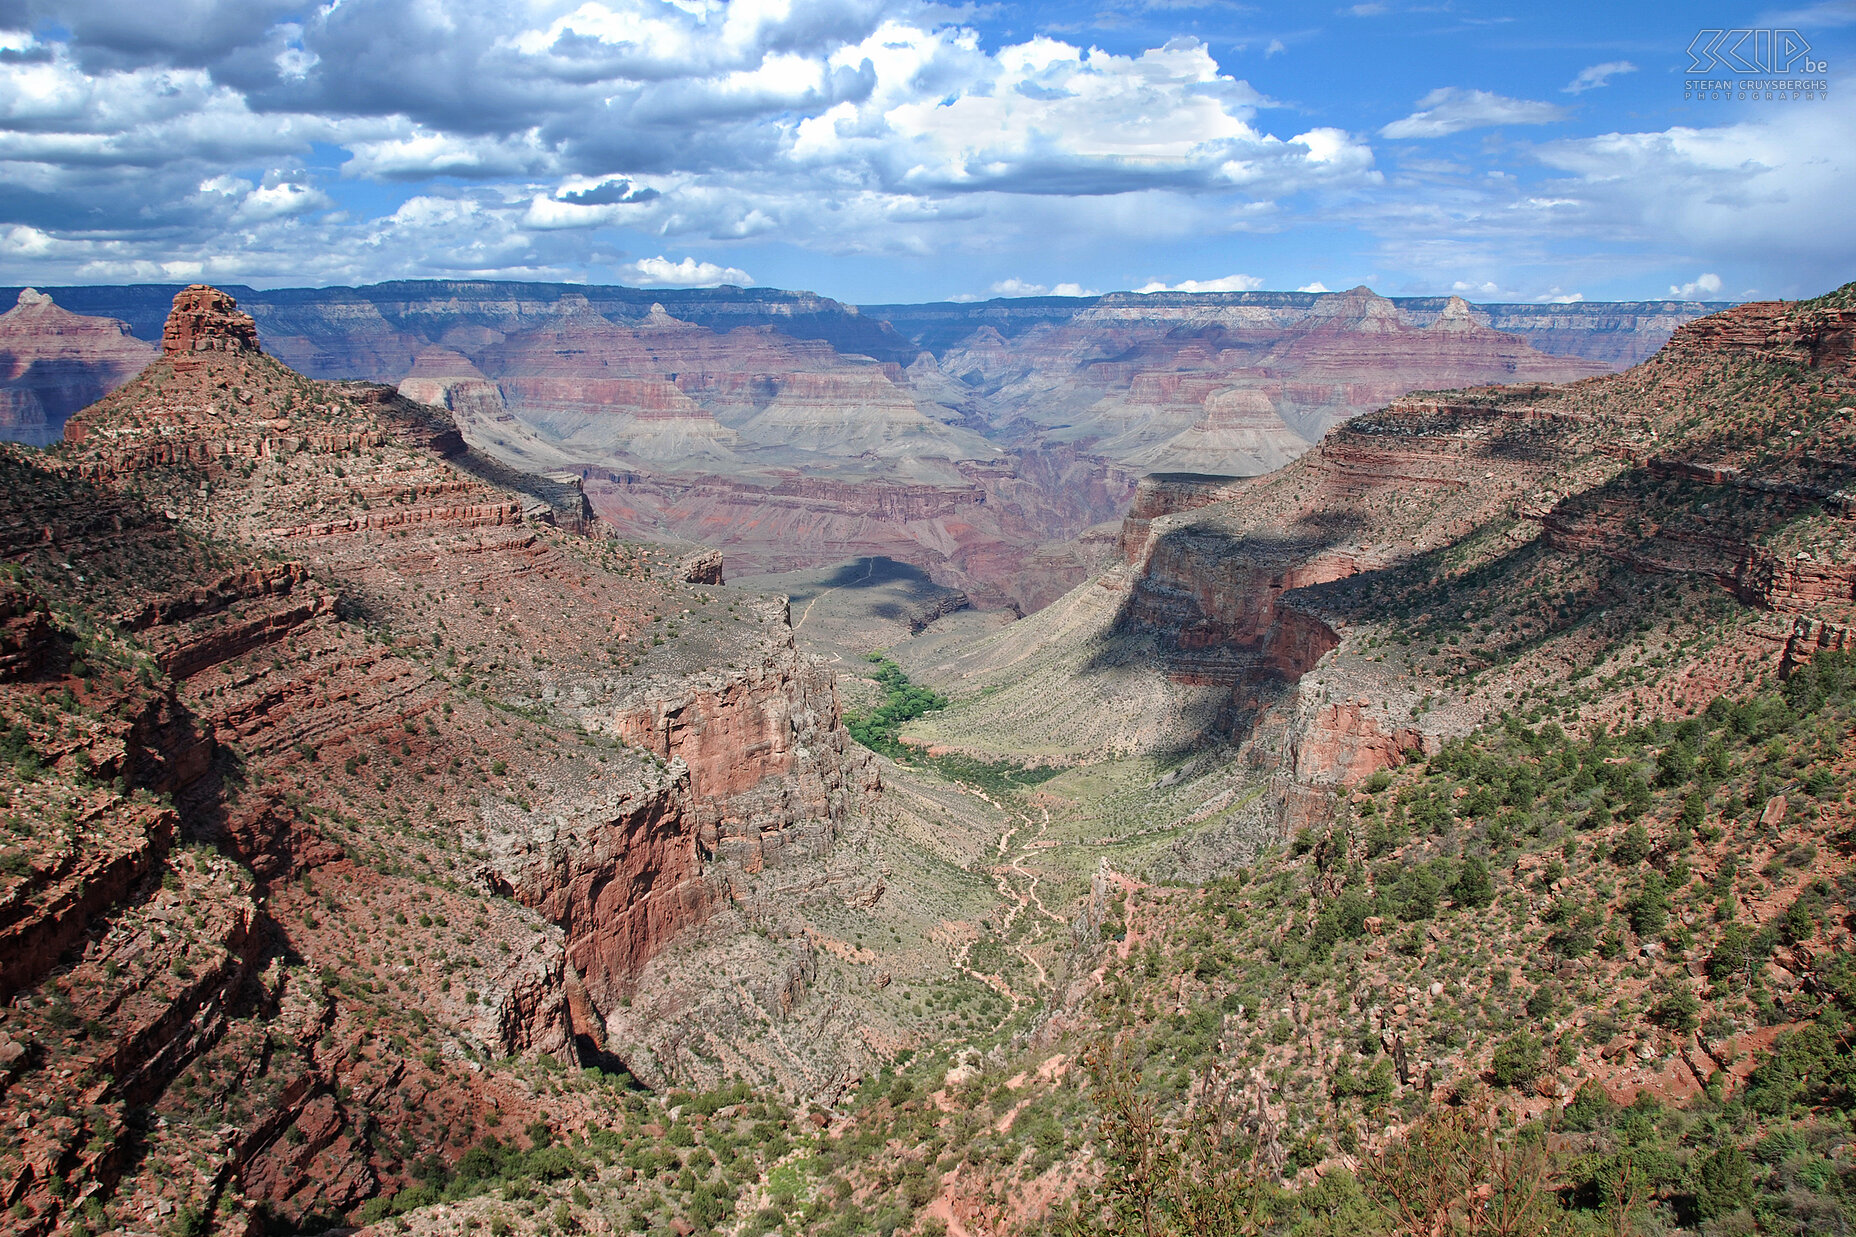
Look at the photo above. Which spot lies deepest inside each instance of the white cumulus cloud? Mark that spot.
(1229, 283)
(280, 201)
(557, 139)
(1048, 117)
(1703, 287)
(661, 272)
(1021, 287)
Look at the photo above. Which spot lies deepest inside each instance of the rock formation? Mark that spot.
(1279, 609)
(53, 362)
(353, 744)
(1231, 390)
(204, 319)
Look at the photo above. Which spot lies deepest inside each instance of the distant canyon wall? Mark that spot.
(982, 443)
(1618, 333)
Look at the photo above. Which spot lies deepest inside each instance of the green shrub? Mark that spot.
(1474, 888)
(1518, 1060)
(1677, 1009)
(1633, 848)
(1647, 908)
(1723, 1183)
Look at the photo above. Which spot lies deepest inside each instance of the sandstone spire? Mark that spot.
(204, 319)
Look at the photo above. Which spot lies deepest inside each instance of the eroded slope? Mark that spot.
(340, 772)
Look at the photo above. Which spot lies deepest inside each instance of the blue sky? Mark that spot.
(881, 150)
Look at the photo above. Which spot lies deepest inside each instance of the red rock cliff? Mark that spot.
(388, 703)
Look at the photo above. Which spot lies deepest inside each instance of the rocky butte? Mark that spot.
(53, 362)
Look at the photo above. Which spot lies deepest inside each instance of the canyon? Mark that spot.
(1253, 610)
(393, 833)
(1234, 590)
(1279, 740)
(991, 444)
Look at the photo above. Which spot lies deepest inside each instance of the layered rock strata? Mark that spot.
(1436, 563)
(53, 362)
(340, 772)
(749, 388)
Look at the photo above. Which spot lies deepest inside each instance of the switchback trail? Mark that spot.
(1020, 899)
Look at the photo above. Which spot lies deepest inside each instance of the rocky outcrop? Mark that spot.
(1213, 605)
(1771, 331)
(1810, 636)
(204, 319)
(770, 766)
(25, 631)
(620, 885)
(44, 913)
(703, 567)
(942, 606)
(1160, 494)
(1344, 742)
(53, 362)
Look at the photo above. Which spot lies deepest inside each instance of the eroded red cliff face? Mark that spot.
(753, 747)
(1220, 563)
(1215, 605)
(759, 775)
(204, 319)
(1345, 743)
(1819, 338)
(385, 701)
(1626, 485)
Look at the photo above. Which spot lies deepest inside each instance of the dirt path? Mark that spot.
(1032, 878)
(1014, 863)
(869, 570)
(995, 982)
